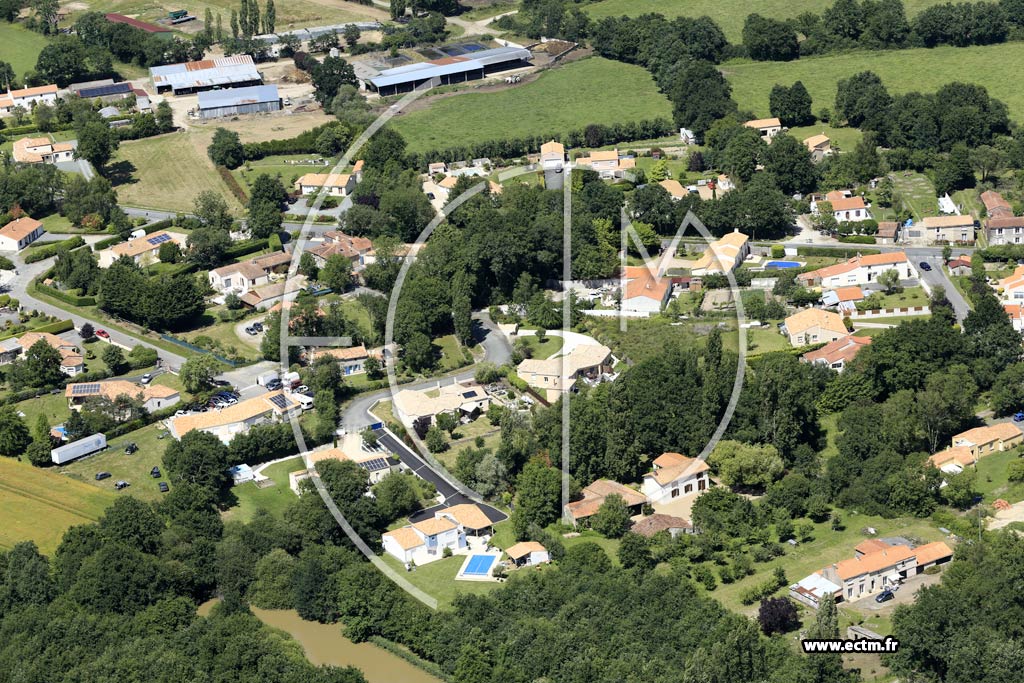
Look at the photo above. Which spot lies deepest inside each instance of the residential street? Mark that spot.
(937, 277)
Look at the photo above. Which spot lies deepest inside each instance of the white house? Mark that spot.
(645, 292)
(527, 554)
(552, 155)
(72, 362)
(552, 376)
(20, 233)
(1010, 288)
(768, 128)
(461, 399)
(42, 151)
(351, 359)
(359, 250)
(819, 146)
(27, 98)
(859, 270)
(423, 541)
(675, 475)
(238, 277)
(723, 255)
(609, 164)
(850, 210)
(813, 326)
(143, 250)
(153, 396)
(228, 422)
(337, 184)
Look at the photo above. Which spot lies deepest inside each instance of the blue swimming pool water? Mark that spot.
(479, 565)
(781, 264)
(472, 47)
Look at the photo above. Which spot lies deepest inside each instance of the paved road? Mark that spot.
(937, 277)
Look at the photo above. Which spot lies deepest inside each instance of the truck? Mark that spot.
(178, 13)
(290, 380)
(78, 449)
(266, 378)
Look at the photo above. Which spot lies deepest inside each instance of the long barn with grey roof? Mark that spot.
(448, 70)
(207, 74)
(255, 99)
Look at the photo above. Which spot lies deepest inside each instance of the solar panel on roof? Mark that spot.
(104, 90)
(159, 239)
(279, 401)
(468, 394)
(375, 464)
(84, 389)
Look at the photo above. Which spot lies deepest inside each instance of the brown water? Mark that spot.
(324, 644)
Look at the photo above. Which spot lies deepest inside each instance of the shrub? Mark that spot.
(45, 252)
(778, 251)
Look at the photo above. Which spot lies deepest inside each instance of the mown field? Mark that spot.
(729, 14)
(39, 505)
(997, 67)
(166, 172)
(20, 47)
(589, 91)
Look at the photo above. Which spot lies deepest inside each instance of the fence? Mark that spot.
(198, 349)
(890, 312)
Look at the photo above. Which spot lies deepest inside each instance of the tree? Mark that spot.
(635, 551)
(264, 219)
(890, 280)
(742, 154)
(352, 35)
(198, 458)
(769, 39)
(791, 105)
(164, 115)
(197, 372)
(226, 149)
(273, 588)
(397, 9)
(269, 17)
(234, 24)
(132, 523)
(741, 464)
(337, 273)
(96, 143)
(86, 332)
(397, 495)
(329, 76)
(538, 498)
(863, 101)
(789, 161)
(446, 422)
(308, 267)
(612, 518)
(435, 440)
(212, 211)
(1007, 394)
(14, 434)
(700, 95)
(206, 246)
(169, 252)
(113, 358)
(777, 615)
(956, 171)
(385, 145)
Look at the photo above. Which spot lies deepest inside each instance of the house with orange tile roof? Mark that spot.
(72, 362)
(674, 188)
(982, 441)
(20, 233)
(470, 518)
(768, 128)
(143, 250)
(424, 541)
(1016, 314)
(674, 475)
(658, 522)
(337, 184)
(1010, 288)
(645, 291)
(26, 98)
(226, 423)
(820, 146)
(245, 276)
(527, 553)
(42, 151)
(376, 463)
(351, 359)
(552, 155)
(553, 376)
(859, 270)
(579, 512)
(153, 396)
(724, 255)
(610, 164)
(953, 460)
(932, 229)
(837, 354)
(1001, 226)
(813, 326)
(358, 250)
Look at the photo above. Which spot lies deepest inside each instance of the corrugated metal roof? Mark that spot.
(211, 99)
(208, 72)
(449, 65)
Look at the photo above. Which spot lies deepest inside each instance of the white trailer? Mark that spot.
(266, 378)
(78, 449)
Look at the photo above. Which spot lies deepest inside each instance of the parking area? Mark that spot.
(904, 595)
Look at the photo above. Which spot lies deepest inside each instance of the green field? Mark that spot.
(438, 578)
(132, 468)
(274, 499)
(997, 67)
(561, 99)
(276, 166)
(20, 48)
(992, 481)
(728, 14)
(39, 505)
(166, 172)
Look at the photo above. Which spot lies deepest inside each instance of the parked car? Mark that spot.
(100, 476)
(130, 448)
(301, 389)
(287, 102)
(121, 484)
(1018, 417)
(257, 326)
(102, 334)
(147, 378)
(163, 487)
(274, 385)
(885, 596)
(155, 472)
(925, 265)
(251, 331)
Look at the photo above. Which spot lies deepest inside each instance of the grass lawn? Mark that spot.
(52, 406)
(915, 191)
(438, 579)
(230, 344)
(21, 47)
(843, 139)
(451, 353)
(39, 504)
(911, 296)
(609, 545)
(166, 172)
(829, 424)
(132, 468)
(549, 347)
(561, 99)
(991, 481)
(827, 546)
(293, 12)
(274, 499)
(895, 320)
(57, 224)
(277, 166)
(728, 14)
(758, 341)
(924, 70)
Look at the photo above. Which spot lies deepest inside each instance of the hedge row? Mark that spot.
(245, 247)
(52, 328)
(857, 239)
(49, 250)
(68, 297)
(104, 243)
(303, 143)
(1002, 252)
(233, 185)
(838, 253)
(159, 225)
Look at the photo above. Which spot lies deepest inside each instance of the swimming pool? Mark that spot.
(778, 265)
(479, 565)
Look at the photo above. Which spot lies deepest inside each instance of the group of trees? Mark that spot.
(131, 45)
(164, 303)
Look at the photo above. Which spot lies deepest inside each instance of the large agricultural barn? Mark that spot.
(448, 70)
(221, 72)
(255, 99)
